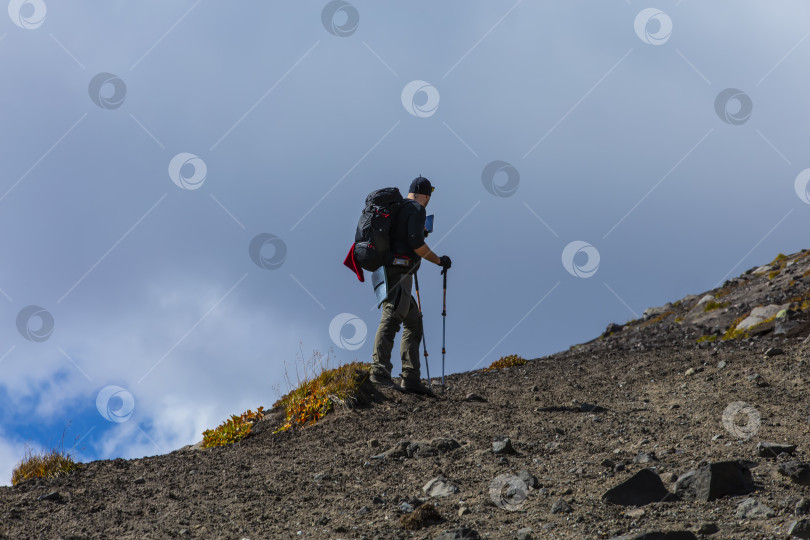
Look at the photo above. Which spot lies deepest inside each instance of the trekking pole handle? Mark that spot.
(444, 294)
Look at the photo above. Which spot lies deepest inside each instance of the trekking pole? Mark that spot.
(444, 320)
(422, 327)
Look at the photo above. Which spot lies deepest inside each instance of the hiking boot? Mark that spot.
(415, 386)
(381, 380)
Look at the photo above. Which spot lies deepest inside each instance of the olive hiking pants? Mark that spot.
(399, 308)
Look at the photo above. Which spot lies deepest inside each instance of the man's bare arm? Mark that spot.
(426, 253)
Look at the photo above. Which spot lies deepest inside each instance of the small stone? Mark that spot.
(139, 480)
(609, 463)
(753, 509)
(635, 513)
(642, 488)
(669, 477)
(721, 364)
(373, 443)
(406, 507)
(364, 510)
(774, 351)
(758, 380)
(529, 479)
(377, 500)
(800, 529)
(535, 388)
(525, 533)
(52, 496)
(798, 471)
(474, 397)
(645, 457)
(717, 437)
(502, 445)
(561, 507)
(440, 487)
(463, 511)
(612, 328)
(772, 450)
(713, 481)
(802, 507)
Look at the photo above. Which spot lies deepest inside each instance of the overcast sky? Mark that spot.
(181, 182)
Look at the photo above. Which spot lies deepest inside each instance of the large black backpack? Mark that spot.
(372, 240)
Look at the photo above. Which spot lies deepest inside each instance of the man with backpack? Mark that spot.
(408, 248)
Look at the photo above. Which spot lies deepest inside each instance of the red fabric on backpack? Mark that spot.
(351, 263)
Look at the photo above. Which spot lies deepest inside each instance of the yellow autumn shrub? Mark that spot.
(49, 464)
(506, 362)
(233, 429)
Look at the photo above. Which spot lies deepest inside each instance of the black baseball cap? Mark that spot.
(421, 185)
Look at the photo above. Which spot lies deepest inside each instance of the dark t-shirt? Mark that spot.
(409, 230)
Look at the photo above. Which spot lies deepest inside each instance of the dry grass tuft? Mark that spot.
(320, 389)
(48, 464)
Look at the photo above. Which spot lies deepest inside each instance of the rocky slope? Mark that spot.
(655, 426)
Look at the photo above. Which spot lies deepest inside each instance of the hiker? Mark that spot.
(408, 247)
